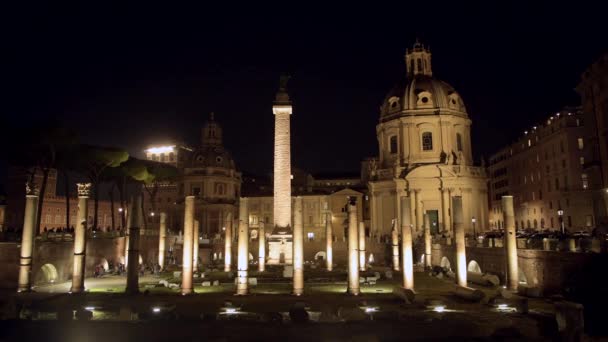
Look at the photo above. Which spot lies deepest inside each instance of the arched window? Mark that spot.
(459, 141)
(427, 141)
(393, 144)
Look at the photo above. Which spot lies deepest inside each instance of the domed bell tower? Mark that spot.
(418, 60)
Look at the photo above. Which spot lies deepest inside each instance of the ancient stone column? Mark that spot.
(228, 243)
(427, 241)
(407, 258)
(461, 257)
(80, 238)
(510, 242)
(187, 252)
(135, 221)
(298, 249)
(362, 261)
(419, 212)
(395, 243)
(445, 210)
(329, 240)
(195, 242)
(353, 246)
(262, 248)
(27, 238)
(162, 240)
(243, 248)
(282, 157)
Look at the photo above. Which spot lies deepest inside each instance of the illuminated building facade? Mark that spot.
(593, 89)
(545, 171)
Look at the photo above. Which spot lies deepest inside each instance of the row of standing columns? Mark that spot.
(135, 220)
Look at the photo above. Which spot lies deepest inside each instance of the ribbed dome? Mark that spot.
(420, 93)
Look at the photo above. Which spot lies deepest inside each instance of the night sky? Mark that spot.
(137, 75)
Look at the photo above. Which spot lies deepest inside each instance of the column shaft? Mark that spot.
(162, 240)
(282, 168)
(353, 245)
(262, 247)
(427, 241)
(395, 243)
(362, 261)
(195, 243)
(27, 243)
(135, 221)
(243, 246)
(461, 257)
(187, 252)
(329, 240)
(445, 209)
(228, 243)
(80, 241)
(298, 249)
(419, 212)
(407, 259)
(510, 243)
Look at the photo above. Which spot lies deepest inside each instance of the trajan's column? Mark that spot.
(282, 110)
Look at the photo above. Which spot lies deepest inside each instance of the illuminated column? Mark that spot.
(407, 259)
(195, 241)
(362, 246)
(353, 245)
(427, 241)
(445, 210)
(419, 211)
(80, 238)
(27, 238)
(395, 243)
(461, 257)
(188, 246)
(228, 243)
(135, 220)
(262, 247)
(162, 240)
(243, 248)
(282, 157)
(510, 243)
(329, 240)
(298, 249)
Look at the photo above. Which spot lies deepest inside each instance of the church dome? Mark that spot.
(211, 152)
(419, 93)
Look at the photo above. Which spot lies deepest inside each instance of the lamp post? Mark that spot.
(473, 220)
(560, 215)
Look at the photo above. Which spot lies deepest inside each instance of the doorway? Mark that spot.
(433, 220)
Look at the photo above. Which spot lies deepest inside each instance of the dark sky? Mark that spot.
(142, 74)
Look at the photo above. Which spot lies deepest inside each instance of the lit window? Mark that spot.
(580, 143)
(311, 236)
(529, 142)
(582, 160)
(427, 141)
(585, 181)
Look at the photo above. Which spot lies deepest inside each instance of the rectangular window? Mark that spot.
(582, 160)
(393, 144)
(589, 221)
(581, 145)
(427, 141)
(569, 221)
(556, 184)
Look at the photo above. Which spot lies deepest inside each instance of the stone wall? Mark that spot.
(551, 271)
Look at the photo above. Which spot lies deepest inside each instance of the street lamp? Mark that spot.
(560, 214)
(473, 220)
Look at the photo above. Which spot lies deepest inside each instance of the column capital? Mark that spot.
(84, 189)
(31, 189)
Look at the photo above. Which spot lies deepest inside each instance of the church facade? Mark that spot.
(425, 154)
